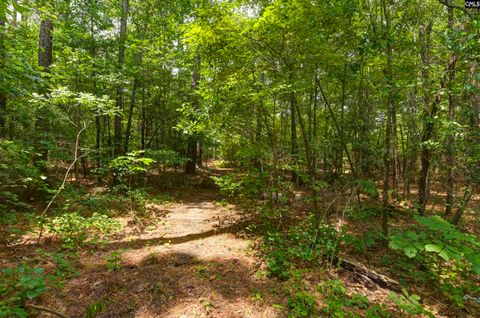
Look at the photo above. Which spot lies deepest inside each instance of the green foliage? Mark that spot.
(409, 303)
(452, 256)
(301, 304)
(243, 186)
(96, 308)
(124, 168)
(229, 185)
(18, 285)
(364, 241)
(440, 239)
(303, 243)
(64, 265)
(74, 230)
(19, 180)
(114, 263)
(367, 186)
(339, 305)
(166, 158)
(138, 199)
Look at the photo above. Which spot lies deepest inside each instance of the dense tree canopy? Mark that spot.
(338, 97)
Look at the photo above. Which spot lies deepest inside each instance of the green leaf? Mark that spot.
(433, 248)
(410, 251)
(445, 255)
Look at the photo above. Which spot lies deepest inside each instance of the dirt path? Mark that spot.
(192, 264)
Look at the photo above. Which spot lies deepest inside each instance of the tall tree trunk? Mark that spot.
(3, 95)
(192, 151)
(45, 58)
(293, 131)
(423, 191)
(467, 196)
(314, 144)
(119, 91)
(450, 142)
(389, 117)
(143, 122)
(136, 83)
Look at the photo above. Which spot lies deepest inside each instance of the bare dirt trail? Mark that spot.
(193, 264)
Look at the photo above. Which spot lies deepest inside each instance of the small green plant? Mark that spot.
(64, 264)
(301, 304)
(207, 303)
(300, 301)
(202, 271)
(73, 229)
(126, 169)
(340, 305)
(138, 199)
(363, 242)
(257, 296)
(303, 243)
(17, 286)
(114, 263)
(229, 184)
(409, 303)
(96, 308)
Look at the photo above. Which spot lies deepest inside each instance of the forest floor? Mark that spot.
(191, 255)
(189, 258)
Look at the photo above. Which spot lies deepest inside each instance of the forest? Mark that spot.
(240, 158)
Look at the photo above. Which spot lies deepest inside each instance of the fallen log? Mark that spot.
(367, 275)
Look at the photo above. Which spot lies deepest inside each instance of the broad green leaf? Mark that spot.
(433, 248)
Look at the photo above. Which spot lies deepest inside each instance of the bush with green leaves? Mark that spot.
(165, 158)
(126, 169)
(338, 304)
(19, 285)
(364, 241)
(19, 179)
(304, 243)
(233, 185)
(114, 263)
(74, 229)
(409, 303)
(452, 256)
(230, 185)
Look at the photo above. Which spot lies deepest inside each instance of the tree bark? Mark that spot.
(143, 122)
(467, 196)
(424, 36)
(450, 142)
(293, 130)
(389, 118)
(192, 151)
(132, 105)
(3, 95)
(45, 58)
(119, 91)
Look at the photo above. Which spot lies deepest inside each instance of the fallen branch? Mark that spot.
(49, 310)
(368, 275)
(75, 159)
